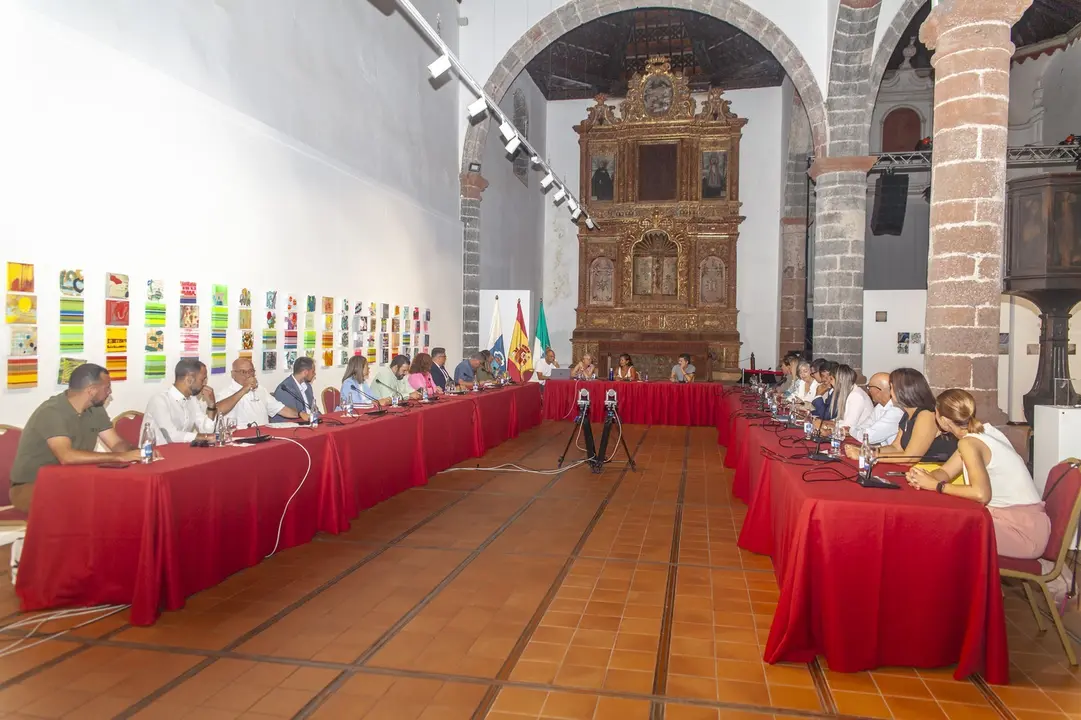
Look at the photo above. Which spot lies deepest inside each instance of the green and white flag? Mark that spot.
(541, 343)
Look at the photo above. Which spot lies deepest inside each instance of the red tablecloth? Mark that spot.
(152, 535)
(870, 578)
(639, 403)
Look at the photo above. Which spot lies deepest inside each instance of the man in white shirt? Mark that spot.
(186, 411)
(881, 428)
(245, 402)
(543, 367)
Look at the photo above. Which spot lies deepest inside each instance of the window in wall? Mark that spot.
(521, 122)
(901, 130)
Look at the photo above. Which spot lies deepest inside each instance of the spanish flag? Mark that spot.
(519, 358)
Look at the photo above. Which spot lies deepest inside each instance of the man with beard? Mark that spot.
(185, 411)
(65, 429)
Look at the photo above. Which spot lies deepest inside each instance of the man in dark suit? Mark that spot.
(440, 375)
(296, 390)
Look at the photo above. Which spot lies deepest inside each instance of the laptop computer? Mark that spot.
(560, 374)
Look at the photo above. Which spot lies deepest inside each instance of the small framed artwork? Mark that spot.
(880, 316)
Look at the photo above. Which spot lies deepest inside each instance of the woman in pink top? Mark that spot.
(420, 375)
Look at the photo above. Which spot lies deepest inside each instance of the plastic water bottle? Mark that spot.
(219, 430)
(314, 417)
(147, 441)
(611, 374)
(867, 456)
(808, 428)
(424, 394)
(394, 400)
(476, 387)
(836, 439)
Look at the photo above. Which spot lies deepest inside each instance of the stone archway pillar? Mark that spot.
(473, 185)
(972, 51)
(840, 227)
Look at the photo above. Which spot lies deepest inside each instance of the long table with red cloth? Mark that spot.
(868, 578)
(152, 535)
(639, 403)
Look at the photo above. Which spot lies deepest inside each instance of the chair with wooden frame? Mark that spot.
(128, 426)
(332, 397)
(10, 517)
(1062, 500)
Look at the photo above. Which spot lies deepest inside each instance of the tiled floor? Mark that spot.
(508, 596)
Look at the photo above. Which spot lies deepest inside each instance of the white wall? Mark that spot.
(113, 165)
(508, 314)
(494, 26)
(758, 252)
(512, 214)
(906, 311)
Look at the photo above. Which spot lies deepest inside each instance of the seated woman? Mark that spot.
(995, 476)
(918, 436)
(852, 404)
(806, 387)
(790, 365)
(355, 384)
(626, 370)
(584, 370)
(420, 375)
(484, 372)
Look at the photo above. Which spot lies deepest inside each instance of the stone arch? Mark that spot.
(553, 26)
(886, 46)
(578, 12)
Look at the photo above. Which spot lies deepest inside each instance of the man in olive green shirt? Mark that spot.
(394, 381)
(65, 429)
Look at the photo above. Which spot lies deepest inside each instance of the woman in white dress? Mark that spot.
(995, 476)
(852, 404)
(805, 389)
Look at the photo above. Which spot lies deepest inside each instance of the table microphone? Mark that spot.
(377, 410)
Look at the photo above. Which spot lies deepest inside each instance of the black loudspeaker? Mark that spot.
(891, 199)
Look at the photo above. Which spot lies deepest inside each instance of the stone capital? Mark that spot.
(860, 4)
(843, 163)
(951, 15)
(473, 184)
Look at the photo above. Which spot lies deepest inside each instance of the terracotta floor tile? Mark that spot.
(621, 709)
(911, 709)
(794, 698)
(861, 704)
(960, 711)
(520, 701)
(685, 686)
(629, 681)
(570, 706)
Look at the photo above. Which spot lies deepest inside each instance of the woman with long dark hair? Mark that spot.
(626, 370)
(918, 437)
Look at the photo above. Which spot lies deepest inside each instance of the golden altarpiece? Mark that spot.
(657, 276)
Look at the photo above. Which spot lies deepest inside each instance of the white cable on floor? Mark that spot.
(278, 539)
(39, 620)
(618, 440)
(511, 467)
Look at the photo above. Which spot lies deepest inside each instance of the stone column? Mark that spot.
(972, 51)
(473, 184)
(840, 226)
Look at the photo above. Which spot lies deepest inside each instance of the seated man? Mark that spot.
(544, 366)
(440, 375)
(881, 428)
(187, 410)
(823, 407)
(246, 403)
(393, 381)
(485, 374)
(683, 371)
(295, 392)
(466, 372)
(64, 431)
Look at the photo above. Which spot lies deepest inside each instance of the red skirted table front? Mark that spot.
(639, 403)
(152, 535)
(869, 578)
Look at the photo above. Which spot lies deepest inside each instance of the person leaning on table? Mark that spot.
(683, 371)
(65, 429)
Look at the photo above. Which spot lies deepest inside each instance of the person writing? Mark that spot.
(296, 391)
(420, 375)
(626, 370)
(995, 476)
(585, 369)
(248, 403)
(918, 434)
(466, 372)
(391, 382)
(881, 427)
(65, 429)
(544, 366)
(187, 410)
(822, 406)
(683, 371)
(355, 387)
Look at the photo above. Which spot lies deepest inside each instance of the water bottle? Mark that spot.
(808, 428)
(645, 376)
(424, 394)
(347, 405)
(867, 457)
(394, 400)
(313, 417)
(835, 440)
(611, 374)
(476, 387)
(147, 440)
(219, 430)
